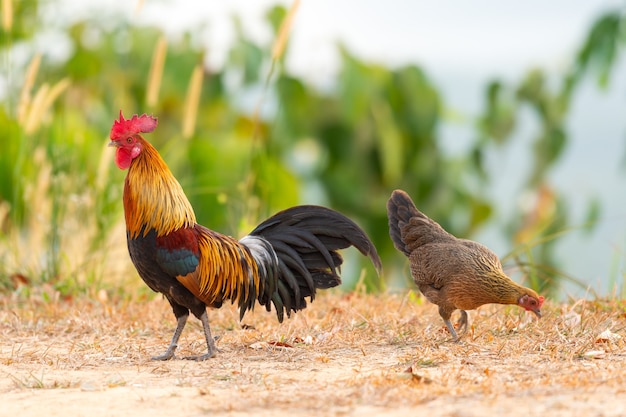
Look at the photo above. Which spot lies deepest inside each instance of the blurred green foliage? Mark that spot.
(263, 141)
(549, 98)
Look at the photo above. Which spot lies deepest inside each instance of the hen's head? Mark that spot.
(125, 137)
(531, 302)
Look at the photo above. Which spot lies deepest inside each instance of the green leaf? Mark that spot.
(389, 143)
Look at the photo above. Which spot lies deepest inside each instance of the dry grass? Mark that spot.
(347, 354)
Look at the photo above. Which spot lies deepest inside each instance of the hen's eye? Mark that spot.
(533, 302)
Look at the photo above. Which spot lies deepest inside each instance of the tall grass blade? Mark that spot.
(192, 100)
(277, 52)
(7, 15)
(283, 33)
(36, 109)
(156, 72)
(29, 81)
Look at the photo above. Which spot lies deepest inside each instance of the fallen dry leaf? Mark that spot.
(411, 373)
(280, 344)
(259, 345)
(608, 336)
(594, 354)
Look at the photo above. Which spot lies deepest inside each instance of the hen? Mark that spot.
(281, 262)
(452, 273)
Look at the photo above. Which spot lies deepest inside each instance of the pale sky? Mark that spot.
(481, 36)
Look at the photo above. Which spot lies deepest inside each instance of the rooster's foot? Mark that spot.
(212, 350)
(200, 358)
(169, 354)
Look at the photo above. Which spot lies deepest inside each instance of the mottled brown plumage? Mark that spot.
(452, 273)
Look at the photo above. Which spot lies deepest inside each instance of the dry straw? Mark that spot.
(35, 110)
(283, 32)
(38, 194)
(156, 72)
(7, 15)
(277, 52)
(44, 98)
(5, 208)
(31, 110)
(29, 82)
(192, 101)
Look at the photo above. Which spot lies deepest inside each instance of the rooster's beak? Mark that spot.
(113, 144)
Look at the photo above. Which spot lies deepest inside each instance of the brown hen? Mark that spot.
(452, 273)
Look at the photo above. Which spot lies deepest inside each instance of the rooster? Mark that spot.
(281, 262)
(452, 273)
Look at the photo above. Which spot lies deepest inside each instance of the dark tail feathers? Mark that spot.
(402, 212)
(306, 240)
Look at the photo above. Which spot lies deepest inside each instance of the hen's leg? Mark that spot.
(462, 323)
(180, 325)
(451, 330)
(445, 315)
(210, 342)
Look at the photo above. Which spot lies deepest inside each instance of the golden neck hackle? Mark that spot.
(153, 198)
(504, 289)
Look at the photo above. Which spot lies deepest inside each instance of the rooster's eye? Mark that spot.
(129, 140)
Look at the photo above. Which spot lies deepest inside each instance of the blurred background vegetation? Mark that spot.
(250, 138)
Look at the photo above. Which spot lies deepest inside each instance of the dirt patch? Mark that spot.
(346, 354)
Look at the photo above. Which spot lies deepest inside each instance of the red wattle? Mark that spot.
(123, 158)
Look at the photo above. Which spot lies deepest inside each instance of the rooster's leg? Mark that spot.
(210, 342)
(169, 353)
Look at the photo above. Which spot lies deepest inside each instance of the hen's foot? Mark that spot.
(455, 337)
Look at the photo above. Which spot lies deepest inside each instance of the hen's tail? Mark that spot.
(297, 253)
(409, 228)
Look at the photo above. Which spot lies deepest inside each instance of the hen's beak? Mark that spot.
(537, 313)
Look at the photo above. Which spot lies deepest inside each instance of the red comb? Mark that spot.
(123, 128)
(541, 298)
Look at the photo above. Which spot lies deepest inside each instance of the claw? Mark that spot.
(450, 327)
(462, 324)
(169, 354)
(200, 358)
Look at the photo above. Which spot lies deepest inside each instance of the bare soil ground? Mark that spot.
(347, 354)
